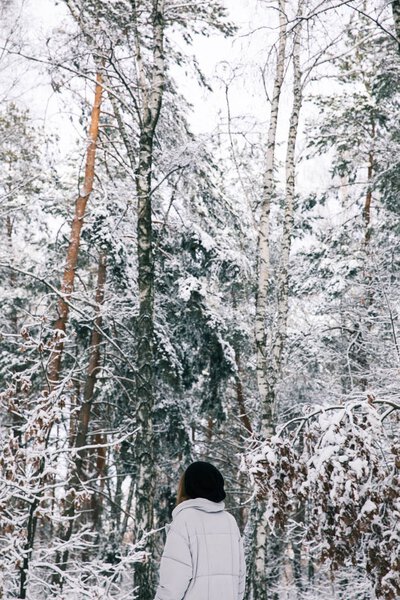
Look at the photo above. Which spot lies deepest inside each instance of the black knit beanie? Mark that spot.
(203, 480)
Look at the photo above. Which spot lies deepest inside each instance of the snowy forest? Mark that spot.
(199, 260)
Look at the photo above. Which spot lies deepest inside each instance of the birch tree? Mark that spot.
(151, 93)
(290, 189)
(270, 347)
(264, 370)
(256, 534)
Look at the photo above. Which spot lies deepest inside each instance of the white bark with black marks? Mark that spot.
(151, 92)
(287, 234)
(264, 374)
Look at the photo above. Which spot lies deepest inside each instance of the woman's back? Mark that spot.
(203, 555)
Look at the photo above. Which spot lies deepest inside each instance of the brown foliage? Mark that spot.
(341, 470)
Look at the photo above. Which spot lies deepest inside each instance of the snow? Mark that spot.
(368, 507)
(190, 284)
(359, 466)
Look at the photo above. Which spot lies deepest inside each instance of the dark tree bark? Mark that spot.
(84, 415)
(243, 416)
(93, 366)
(368, 196)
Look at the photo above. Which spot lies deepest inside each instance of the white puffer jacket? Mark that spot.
(203, 558)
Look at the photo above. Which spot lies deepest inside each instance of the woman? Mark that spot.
(203, 557)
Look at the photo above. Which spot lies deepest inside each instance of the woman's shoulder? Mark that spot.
(195, 505)
(191, 517)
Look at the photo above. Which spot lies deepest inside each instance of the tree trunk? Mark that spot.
(255, 541)
(267, 572)
(243, 416)
(358, 346)
(283, 276)
(264, 373)
(93, 366)
(368, 197)
(67, 285)
(276, 547)
(144, 443)
(257, 584)
(84, 415)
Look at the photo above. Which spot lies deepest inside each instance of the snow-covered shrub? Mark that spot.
(36, 495)
(339, 468)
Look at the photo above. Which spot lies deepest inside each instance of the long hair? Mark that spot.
(181, 494)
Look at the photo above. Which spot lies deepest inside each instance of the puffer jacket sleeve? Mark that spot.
(176, 564)
(242, 570)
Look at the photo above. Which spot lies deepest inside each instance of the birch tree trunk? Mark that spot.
(256, 528)
(265, 377)
(144, 444)
(67, 285)
(287, 234)
(275, 544)
(269, 364)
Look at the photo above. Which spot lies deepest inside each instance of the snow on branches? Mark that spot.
(336, 472)
(37, 488)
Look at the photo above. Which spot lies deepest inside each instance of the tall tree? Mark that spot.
(150, 99)
(270, 346)
(67, 285)
(256, 533)
(265, 373)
